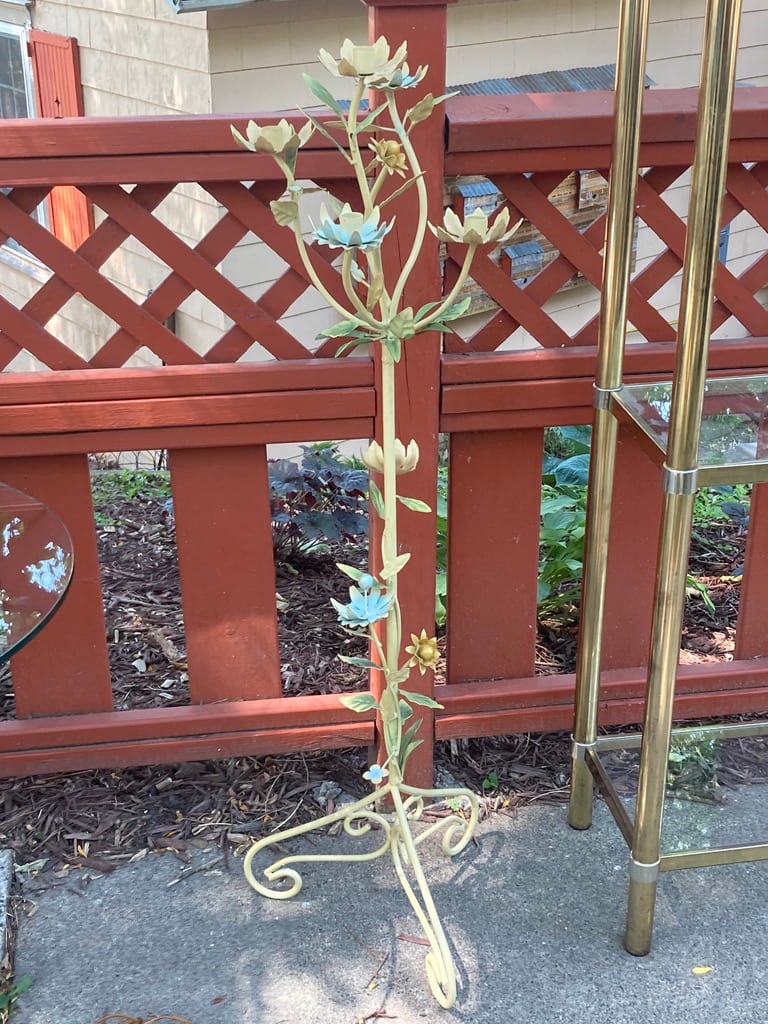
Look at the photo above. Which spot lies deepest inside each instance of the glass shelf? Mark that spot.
(715, 784)
(733, 446)
(36, 563)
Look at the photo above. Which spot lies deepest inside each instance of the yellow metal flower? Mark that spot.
(389, 154)
(423, 651)
(475, 230)
(275, 139)
(364, 61)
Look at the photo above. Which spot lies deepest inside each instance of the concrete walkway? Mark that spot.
(534, 912)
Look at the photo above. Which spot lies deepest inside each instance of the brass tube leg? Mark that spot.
(592, 606)
(630, 78)
(654, 755)
(708, 179)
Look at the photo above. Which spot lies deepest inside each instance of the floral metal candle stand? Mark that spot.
(375, 315)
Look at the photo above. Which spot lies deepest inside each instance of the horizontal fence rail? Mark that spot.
(258, 380)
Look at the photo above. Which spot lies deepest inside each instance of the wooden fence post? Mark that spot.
(423, 26)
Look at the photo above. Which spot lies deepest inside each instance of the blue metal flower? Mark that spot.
(376, 774)
(364, 608)
(400, 78)
(352, 230)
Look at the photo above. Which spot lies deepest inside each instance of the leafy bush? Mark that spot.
(319, 499)
(441, 580)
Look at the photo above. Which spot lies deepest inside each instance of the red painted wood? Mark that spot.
(751, 634)
(642, 362)
(202, 277)
(84, 278)
(634, 536)
(424, 29)
(253, 213)
(172, 412)
(493, 541)
(56, 77)
(253, 743)
(154, 724)
(183, 381)
(216, 436)
(64, 671)
(164, 135)
(529, 122)
(224, 540)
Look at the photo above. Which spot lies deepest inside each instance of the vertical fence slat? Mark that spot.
(226, 564)
(424, 29)
(751, 633)
(493, 553)
(65, 670)
(633, 544)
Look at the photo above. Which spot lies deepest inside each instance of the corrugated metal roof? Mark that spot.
(523, 249)
(570, 80)
(475, 189)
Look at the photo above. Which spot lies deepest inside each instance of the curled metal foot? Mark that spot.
(357, 818)
(396, 837)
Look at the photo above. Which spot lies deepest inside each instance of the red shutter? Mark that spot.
(56, 72)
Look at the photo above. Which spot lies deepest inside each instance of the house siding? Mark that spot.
(139, 58)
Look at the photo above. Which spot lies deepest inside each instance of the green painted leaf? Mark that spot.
(457, 309)
(421, 699)
(376, 499)
(350, 570)
(354, 343)
(393, 568)
(426, 308)
(320, 127)
(405, 752)
(390, 715)
(359, 701)
(319, 90)
(406, 711)
(359, 662)
(394, 346)
(414, 504)
(366, 123)
(343, 329)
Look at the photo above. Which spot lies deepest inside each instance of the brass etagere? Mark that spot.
(667, 419)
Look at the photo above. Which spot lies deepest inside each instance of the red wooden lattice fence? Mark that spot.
(216, 416)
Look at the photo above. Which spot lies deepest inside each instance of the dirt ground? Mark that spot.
(90, 821)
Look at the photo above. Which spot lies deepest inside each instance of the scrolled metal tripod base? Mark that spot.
(400, 841)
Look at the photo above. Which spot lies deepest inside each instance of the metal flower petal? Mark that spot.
(364, 607)
(352, 230)
(275, 139)
(400, 78)
(389, 153)
(424, 651)
(474, 230)
(376, 774)
(364, 61)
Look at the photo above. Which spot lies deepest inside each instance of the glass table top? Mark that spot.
(36, 563)
(733, 447)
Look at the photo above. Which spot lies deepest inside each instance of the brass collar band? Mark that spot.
(646, 873)
(679, 481)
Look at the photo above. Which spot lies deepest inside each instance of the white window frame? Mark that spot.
(11, 248)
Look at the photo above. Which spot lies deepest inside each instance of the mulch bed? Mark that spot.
(88, 822)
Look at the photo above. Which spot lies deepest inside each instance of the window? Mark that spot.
(16, 96)
(40, 77)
